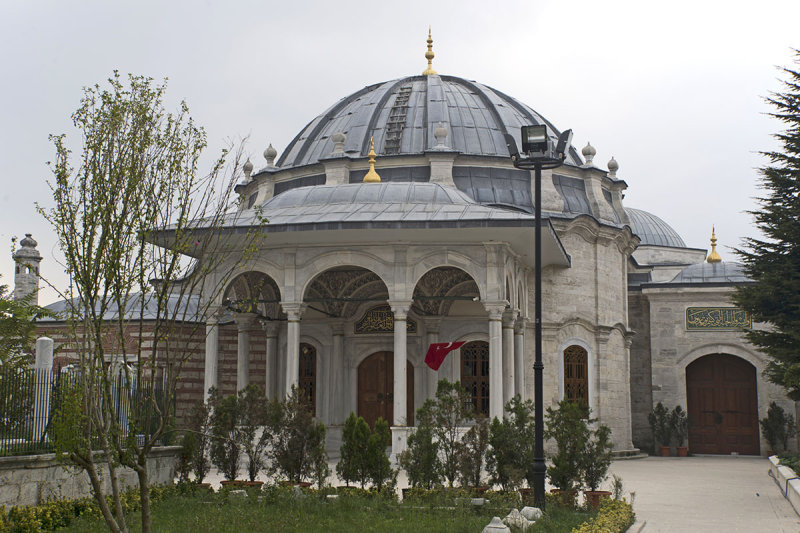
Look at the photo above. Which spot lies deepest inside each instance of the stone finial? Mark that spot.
(270, 154)
(338, 139)
(613, 166)
(440, 134)
(588, 153)
(713, 257)
(248, 169)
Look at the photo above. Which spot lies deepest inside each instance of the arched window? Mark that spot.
(576, 374)
(475, 374)
(308, 374)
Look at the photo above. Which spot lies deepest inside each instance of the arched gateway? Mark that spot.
(376, 388)
(722, 405)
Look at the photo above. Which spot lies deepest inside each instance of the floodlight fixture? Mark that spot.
(534, 139)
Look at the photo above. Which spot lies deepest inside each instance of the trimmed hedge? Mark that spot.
(614, 516)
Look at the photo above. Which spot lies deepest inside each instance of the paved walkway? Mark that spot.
(706, 494)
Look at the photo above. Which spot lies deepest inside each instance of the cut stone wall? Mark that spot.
(641, 376)
(35, 479)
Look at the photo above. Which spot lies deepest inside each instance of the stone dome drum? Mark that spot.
(402, 116)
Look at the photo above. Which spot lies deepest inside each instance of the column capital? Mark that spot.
(432, 324)
(213, 315)
(509, 318)
(337, 327)
(270, 327)
(244, 320)
(400, 308)
(519, 325)
(294, 310)
(495, 309)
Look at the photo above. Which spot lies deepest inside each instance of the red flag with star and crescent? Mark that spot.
(438, 351)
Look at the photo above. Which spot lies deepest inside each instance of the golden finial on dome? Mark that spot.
(372, 176)
(713, 257)
(429, 56)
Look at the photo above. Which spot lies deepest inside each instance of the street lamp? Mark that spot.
(538, 152)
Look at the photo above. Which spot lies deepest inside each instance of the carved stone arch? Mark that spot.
(339, 290)
(336, 259)
(436, 290)
(448, 258)
(267, 268)
(254, 292)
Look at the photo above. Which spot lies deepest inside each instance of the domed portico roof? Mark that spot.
(652, 230)
(401, 115)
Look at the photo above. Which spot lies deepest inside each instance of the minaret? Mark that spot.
(26, 271)
(429, 56)
(713, 257)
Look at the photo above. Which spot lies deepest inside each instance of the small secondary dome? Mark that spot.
(712, 273)
(652, 230)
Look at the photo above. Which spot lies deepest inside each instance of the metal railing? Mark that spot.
(30, 400)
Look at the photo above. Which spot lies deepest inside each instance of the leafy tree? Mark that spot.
(352, 465)
(226, 449)
(471, 453)
(126, 213)
(774, 261)
(511, 441)
(379, 468)
(568, 426)
(778, 427)
(17, 328)
(420, 459)
(252, 416)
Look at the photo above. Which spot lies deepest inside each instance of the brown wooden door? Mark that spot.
(722, 405)
(376, 387)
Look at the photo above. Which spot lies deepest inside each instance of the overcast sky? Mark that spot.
(673, 90)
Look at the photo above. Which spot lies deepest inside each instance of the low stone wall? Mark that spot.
(787, 480)
(34, 479)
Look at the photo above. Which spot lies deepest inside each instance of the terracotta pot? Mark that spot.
(302, 484)
(683, 451)
(241, 484)
(664, 451)
(480, 490)
(526, 494)
(205, 486)
(593, 497)
(566, 498)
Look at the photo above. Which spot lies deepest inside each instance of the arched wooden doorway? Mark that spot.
(376, 386)
(722, 405)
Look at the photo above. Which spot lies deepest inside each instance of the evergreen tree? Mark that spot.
(774, 262)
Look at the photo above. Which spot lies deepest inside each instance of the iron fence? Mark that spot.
(30, 400)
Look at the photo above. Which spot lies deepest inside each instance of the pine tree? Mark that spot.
(774, 262)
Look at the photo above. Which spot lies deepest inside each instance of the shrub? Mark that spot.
(614, 516)
(252, 416)
(597, 457)
(659, 420)
(225, 441)
(420, 459)
(511, 440)
(379, 468)
(471, 453)
(200, 427)
(679, 424)
(568, 426)
(355, 440)
(188, 451)
(778, 427)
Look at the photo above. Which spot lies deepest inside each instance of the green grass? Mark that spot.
(280, 510)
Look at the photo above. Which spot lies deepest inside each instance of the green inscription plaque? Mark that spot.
(717, 318)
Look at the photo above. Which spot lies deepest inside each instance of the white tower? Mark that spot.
(26, 271)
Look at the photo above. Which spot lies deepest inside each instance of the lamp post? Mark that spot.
(538, 153)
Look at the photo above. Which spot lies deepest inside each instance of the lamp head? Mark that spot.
(534, 139)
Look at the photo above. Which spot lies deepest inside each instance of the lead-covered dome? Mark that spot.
(403, 114)
(653, 231)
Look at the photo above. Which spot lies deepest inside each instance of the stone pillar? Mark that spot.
(431, 375)
(509, 317)
(495, 310)
(400, 310)
(293, 310)
(212, 355)
(519, 358)
(336, 389)
(271, 362)
(244, 322)
(43, 374)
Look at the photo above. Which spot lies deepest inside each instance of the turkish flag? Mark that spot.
(438, 351)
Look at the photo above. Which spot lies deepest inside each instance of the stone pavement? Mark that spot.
(706, 494)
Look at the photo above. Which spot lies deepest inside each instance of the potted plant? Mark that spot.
(184, 465)
(568, 427)
(471, 454)
(777, 428)
(660, 425)
(595, 461)
(252, 418)
(225, 440)
(680, 430)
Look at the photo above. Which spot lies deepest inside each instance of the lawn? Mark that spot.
(282, 510)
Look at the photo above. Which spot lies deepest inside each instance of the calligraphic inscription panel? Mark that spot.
(717, 318)
(380, 319)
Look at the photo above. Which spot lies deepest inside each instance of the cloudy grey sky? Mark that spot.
(673, 90)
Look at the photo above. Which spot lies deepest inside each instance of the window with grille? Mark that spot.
(308, 374)
(475, 374)
(576, 374)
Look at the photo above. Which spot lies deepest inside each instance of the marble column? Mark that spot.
(431, 375)
(271, 362)
(293, 310)
(400, 310)
(509, 317)
(244, 321)
(337, 392)
(519, 358)
(495, 310)
(211, 356)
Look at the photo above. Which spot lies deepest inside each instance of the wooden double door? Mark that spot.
(722, 405)
(376, 389)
